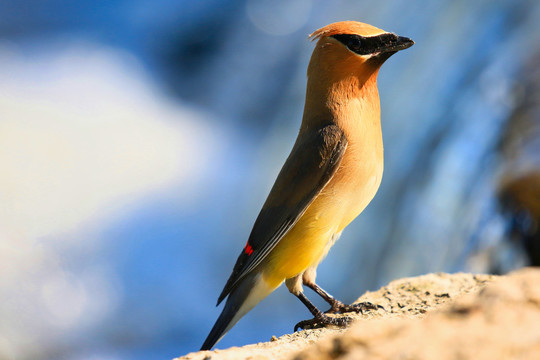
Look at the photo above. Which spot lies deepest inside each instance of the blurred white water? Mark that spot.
(84, 137)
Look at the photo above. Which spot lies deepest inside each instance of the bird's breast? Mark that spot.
(357, 180)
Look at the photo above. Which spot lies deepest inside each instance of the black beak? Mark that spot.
(398, 43)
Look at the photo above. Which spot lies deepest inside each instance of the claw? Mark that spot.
(340, 308)
(323, 321)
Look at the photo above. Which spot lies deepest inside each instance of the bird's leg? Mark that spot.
(337, 307)
(320, 319)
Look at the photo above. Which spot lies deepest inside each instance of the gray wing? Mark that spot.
(313, 161)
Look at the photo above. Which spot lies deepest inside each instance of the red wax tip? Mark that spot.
(248, 249)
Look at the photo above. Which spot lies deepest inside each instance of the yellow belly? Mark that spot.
(301, 248)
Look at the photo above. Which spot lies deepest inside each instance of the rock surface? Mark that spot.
(435, 316)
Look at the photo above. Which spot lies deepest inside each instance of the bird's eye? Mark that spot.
(352, 42)
(355, 44)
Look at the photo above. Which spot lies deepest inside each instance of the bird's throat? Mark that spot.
(349, 102)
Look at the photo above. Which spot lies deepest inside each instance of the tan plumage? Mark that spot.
(331, 175)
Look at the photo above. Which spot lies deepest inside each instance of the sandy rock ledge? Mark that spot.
(435, 316)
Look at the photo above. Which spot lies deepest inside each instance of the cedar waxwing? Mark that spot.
(332, 173)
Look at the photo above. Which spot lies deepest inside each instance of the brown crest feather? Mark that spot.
(346, 27)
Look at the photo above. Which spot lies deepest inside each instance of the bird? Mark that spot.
(332, 173)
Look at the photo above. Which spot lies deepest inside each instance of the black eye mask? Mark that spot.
(374, 44)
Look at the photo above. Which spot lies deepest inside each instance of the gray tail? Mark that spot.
(249, 292)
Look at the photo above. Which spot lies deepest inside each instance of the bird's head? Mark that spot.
(352, 47)
(343, 69)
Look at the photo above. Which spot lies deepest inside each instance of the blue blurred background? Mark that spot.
(139, 139)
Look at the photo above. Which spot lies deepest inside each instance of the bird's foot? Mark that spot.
(340, 308)
(323, 321)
